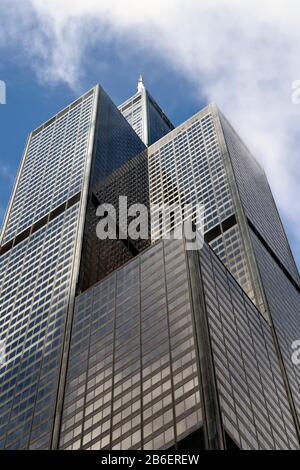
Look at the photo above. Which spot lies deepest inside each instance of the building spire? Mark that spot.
(140, 85)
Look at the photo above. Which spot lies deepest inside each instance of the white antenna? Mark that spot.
(140, 85)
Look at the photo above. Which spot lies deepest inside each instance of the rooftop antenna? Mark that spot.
(140, 85)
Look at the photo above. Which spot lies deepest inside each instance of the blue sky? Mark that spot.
(30, 102)
(51, 52)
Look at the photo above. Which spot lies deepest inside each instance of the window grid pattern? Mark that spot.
(159, 125)
(132, 379)
(191, 159)
(132, 110)
(253, 399)
(101, 257)
(53, 167)
(116, 143)
(150, 120)
(284, 304)
(187, 167)
(34, 287)
(257, 198)
(229, 249)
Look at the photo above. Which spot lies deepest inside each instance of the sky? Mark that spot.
(245, 56)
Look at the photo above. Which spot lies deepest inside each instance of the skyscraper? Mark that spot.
(208, 163)
(119, 344)
(168, 352)
(101, 257)
(41, 246)
(271, 253)
(145, 115)
(196, 162)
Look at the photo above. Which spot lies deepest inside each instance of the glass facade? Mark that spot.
(53, 167)
(253, 399)
(257, 199)
(101, 257)
(158, 124)
(115, 141)
(271, 253)
(284, 304)
(36, 265)
(133, 111)
(133, 380)
(187, 166)
(35, 285)
(146, 117)
(119, 169)
(40, 252)
(141, 344)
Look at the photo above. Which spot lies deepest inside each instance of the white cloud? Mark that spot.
(243, 55)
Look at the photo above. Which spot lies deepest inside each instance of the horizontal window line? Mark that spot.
(40, 223)
(273, 255)
(220, 228)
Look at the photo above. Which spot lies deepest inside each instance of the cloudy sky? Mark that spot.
(244, 55)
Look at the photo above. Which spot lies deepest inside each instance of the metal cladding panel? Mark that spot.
(253, 399)
(133, 378)
(257, 198)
